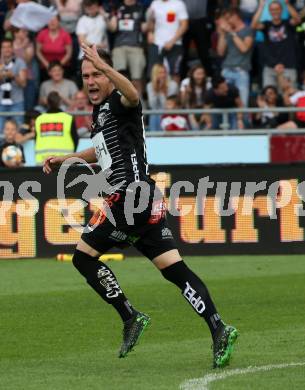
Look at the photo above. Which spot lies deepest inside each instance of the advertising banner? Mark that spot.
(215, 209)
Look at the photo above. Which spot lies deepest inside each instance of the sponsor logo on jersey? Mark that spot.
(196, 301)
(135, 167)
(117, 235)
(101, 119)
(104, 107)
(109, 282)
(166, 233)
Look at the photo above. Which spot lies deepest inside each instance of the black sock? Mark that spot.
(195, 292)
(103, 281)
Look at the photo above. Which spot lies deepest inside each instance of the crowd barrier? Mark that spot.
(224, 113)
(218, 214)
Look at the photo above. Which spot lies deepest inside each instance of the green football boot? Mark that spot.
(133, 330)
(223, 346)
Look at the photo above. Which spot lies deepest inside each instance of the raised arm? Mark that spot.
(255, 24)
(222, 29)
(130, 96)
(295, 18)
(243, 44)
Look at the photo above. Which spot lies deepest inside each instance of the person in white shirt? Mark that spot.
(247, 9)
(91, 28)
(167, 23)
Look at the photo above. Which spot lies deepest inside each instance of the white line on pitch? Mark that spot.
(203, 383)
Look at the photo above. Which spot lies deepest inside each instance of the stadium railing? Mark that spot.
(224, 131)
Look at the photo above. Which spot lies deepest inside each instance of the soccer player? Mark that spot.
(119, 146)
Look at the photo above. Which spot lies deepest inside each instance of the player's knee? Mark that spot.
(175, 273)
(80, 260)
(77, 259)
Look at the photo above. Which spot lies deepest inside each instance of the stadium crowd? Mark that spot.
(178, 54)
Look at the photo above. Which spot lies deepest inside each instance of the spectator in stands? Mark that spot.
(10, 132)
(128, 53)
(24, 49)
(174, 122)
(296, 98)
(27, 129)
(3, 11)
(269, 119)
(69, 12)
(11, 6)
(192, 93)
(247, 10)
(158, 89)
(55, 131)
(194, 87)
(53, 44)
(197, 33)
(266, 14)
(235, 44)
(12, 81)
(82, 122)
(92, 27)
(223, 96)
(279, 47)
(28, 14)
(167, 23)
(65, 88)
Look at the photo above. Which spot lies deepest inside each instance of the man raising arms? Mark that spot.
(119, 146)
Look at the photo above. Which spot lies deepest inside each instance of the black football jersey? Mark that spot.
(118, 136)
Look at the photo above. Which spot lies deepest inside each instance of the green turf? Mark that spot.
(56, 334)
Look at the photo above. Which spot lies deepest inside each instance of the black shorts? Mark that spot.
(149, 233)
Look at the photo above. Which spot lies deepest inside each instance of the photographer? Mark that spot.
(12, 81)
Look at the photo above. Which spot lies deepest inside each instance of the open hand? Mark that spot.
(50, 163)
(92, 55)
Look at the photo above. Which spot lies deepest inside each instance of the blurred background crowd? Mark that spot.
(188, 54)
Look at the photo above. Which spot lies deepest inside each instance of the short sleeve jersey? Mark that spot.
(54, 49)
(129, 25)
(280, 45)
(167, 15)
(118, 136)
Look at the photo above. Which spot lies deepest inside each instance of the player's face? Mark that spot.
(96, 84)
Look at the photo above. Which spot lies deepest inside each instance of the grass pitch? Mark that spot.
(56, 333)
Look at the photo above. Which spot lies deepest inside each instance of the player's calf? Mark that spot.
(196, 293)
(103, 281)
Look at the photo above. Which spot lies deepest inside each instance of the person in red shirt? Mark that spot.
(53, 44)
(174, 122)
